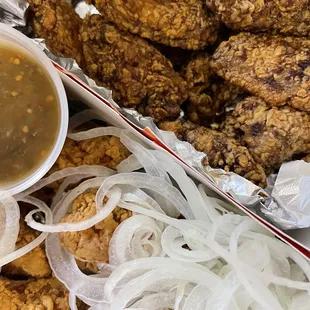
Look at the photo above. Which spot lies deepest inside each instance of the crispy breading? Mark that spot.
(91, 244)
(176, 55)
(183, 23)
(222, 151)
(272, 134)
(107, 151)
(197, 73)
(137, 73)
(284, 16)
(32, 264)
(58, 23)
(209, 107)
(209, 94)
(307, 158)
(274, 68)
(41, 294)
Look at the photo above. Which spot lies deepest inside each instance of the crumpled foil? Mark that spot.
(286, 200)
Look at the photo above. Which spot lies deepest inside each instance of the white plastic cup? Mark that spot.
(10, 36)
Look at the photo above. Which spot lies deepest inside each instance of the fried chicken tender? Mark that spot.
(43, 294)
(283, 16)
(209, 94)
(57, 22)
(272, 134)
(182, 23)
(32, 264)
(274, 68)
(91, 244)
(222, 152)
(137, 73)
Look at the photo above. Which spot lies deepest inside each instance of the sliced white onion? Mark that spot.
(82, 117)
(42, 207)
(63, 264)
(228, 254)
(145, 156)
(94, 133)
(175, 250)
(143, 180)
(72, 301)
(73, 179)
(9, 228)
(82, 225)
(123, 247)
(196, 300)
(155, 301)
(131, 163)
(159, 267)
(186, 184)
(61, 174)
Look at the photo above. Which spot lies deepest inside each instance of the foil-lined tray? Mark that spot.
(286, 200)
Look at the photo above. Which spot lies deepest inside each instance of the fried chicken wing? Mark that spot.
(32, 264)
(91, 244)
(272, 134)
(57, 22)
(137, 73)
(209, 94)
(183, 23)
(222, 152)
(274, 68)
(284, 16)
(41, 294)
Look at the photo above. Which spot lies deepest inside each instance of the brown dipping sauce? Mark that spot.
(29, 115)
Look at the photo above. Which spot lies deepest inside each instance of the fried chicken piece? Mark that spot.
(41, 294)
(91, 244)
(209, 94)
(107, 151)
(176, 55)
(222, 152)
(283, 16)
(32, 264)
(272, 134)
(209, 108)
(135, 71)
(58, 23)
(274, 68)
(182, 23)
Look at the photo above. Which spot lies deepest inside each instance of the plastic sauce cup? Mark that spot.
(12, 37)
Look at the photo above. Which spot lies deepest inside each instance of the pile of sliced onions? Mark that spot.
(210, 259)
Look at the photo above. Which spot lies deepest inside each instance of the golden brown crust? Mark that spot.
(307, 158)
(107, 151)
(274, 68)
(272, 134)
(58, 24)
(183, 23)
(135, 71)
(209, 94)
(43, 294)
(91, 244)
(283, 16)
(222, 152)
(32, 264)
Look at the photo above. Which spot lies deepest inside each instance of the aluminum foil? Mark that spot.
(286, 200)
